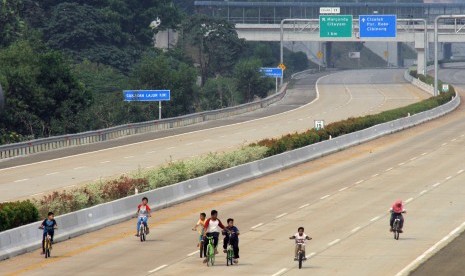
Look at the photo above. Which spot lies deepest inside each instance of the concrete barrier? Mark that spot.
(27, 238)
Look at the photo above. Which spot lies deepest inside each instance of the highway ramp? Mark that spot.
(341, 95)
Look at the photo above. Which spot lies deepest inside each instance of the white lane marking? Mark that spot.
(305, 205)
(256, 226)
(21, 180)
(374, 219)
(158, 268)
(127, 157)
(334, 242)
(375, 175)
(453, 140)
(459, 172)
(408, 200)
(35, 195)
(317, 90)
(355, 229)
(78, 168)
(280, 272)
(171, 148)
(413, 158)
(326, 196)
(389, 169)
(149, 167)
(424, 153)
(400, 164)
(52, 173)
(360, 181)
(423, 192)
(70, 186)
(449, 177)
(207, 140)
(444, 144)
(189, 144)
(436, 184)
(343, 189)
(193, 253)
(104, 162)
(430, 251)
(310, 255)
(282, 215)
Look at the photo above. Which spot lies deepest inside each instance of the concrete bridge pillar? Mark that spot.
(447, 51)
(400, 57)
(420, 48)
(328, 53)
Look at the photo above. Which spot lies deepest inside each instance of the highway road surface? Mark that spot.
(342, 200)
(341, 95)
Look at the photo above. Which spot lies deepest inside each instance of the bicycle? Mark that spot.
(300, 254)
(396, 226)
(47, 244)
(210, 252)
(229, 252)
(142, 230)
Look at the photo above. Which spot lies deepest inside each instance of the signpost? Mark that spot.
(445, 88)
(337, 26)
(319, 124)
(378, 26)
(148, 96)
(273, 73)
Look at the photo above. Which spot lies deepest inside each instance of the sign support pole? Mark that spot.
(159, 110)
(276, 85)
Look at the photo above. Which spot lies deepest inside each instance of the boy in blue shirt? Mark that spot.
(49, 225)
(231, 236)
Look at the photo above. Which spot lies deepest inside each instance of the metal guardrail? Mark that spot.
(27, 238)
(90, 137)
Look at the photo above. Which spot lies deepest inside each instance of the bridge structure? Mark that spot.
(261, 21)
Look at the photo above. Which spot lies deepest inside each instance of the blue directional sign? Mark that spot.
(146, 95)
(272, 72)
(378, 26)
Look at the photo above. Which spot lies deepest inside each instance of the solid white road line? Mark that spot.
(374, 219)
(78, 168)
(310, 255)
(408, 200)
(343, 189)
(430, 251)
(104, 162)
(37, 194)
(70, 186)
(282, 215)
(193, 253)
(52, 173)
(158, 268)
(334, 242)
(305, 205)
(21, 180)
(326, 196)
(256, 226)
(171, 148)
(280, 272)
(355, 229)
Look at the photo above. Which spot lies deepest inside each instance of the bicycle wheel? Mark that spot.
(201, 249)
(210, 254)
(300, 259)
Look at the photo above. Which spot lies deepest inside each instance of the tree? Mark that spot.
(216, 43)
(43, 97)
(219, 93)
(249, 80)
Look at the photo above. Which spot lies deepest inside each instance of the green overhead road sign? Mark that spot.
(336, 26)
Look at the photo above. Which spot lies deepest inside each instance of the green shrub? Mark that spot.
(15, 214)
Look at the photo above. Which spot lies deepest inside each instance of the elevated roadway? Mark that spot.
(341, 95)
(342, 200)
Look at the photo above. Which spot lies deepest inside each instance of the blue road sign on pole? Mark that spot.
(146, 95)
(378, 26)
(272, 72)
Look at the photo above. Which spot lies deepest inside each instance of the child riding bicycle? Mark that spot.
(300, 238)
(212, 229)
(143, 212)
(49, 225)
(200, 227)
(231, 234)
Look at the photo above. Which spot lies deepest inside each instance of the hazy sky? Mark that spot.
(444, 1)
